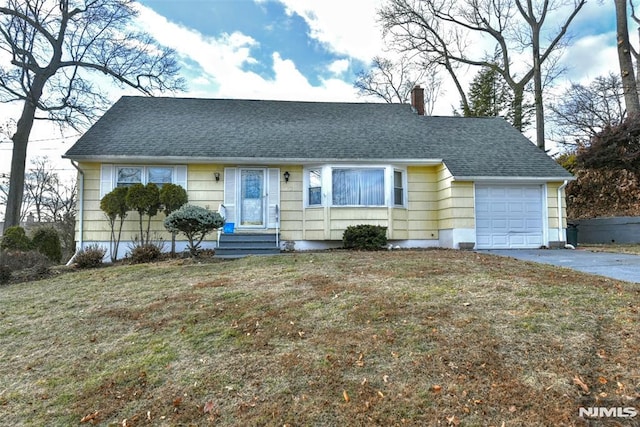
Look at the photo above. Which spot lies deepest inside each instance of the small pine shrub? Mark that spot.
(145, 253)
(194, 222)
(365, 237)
(90, 257)
(47, 241)
(15, 239)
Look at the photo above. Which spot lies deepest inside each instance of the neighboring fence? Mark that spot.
(620, 229)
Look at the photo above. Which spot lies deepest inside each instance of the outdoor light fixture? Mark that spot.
(286, 176)
(217, 176)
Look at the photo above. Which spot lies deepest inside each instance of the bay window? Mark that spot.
(355, 186)
(358, 187)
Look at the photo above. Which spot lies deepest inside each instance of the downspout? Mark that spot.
(560, 210)
(80, 211)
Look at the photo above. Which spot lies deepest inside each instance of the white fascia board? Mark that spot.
(513, 179)
(247, 160)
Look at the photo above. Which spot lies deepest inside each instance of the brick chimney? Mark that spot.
(417, 99)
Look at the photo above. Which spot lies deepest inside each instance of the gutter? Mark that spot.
(80, 212)
(562, 187)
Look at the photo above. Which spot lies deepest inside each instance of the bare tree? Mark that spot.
(393, 81)
(54, 46)
(629, 84)
(582, 112)
(46, 195)
(443, 30)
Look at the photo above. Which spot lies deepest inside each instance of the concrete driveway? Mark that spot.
(617, 266)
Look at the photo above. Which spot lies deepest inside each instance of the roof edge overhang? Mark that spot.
(517, 179)
(245, 160)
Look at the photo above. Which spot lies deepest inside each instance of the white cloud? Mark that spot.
(344, 27)
(223, 61)
(340, 66)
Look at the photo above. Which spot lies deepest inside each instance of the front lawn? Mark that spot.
(335, 338)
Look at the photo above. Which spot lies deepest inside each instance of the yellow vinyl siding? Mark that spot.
(202, 190)
(417, 221)
(291, 213)
(552, 205)
(456, 201)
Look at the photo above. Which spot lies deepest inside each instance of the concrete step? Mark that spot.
(237, 245)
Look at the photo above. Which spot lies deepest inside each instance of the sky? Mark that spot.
(308, 50)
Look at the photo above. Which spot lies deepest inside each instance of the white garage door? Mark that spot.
(509, 217)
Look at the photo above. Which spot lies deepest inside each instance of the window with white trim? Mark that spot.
(355, 185)
(315, 187)
(398, 188)
(126, 176)
(358, 187)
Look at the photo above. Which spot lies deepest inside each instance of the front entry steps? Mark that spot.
(235, 245)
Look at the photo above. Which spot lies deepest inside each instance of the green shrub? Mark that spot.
(23, 265)
(114, 205)
(144, 199)
(172, 198)
(15, 239)
(5, 274)
(194, 222)
(22, 260)
(47, 241)
(146, 253)
(365, 237)
(90, 257)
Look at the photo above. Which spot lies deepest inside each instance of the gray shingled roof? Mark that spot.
(226, 130)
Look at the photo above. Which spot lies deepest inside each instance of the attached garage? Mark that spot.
(509, 216)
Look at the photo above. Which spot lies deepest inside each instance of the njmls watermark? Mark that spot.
(607, 412)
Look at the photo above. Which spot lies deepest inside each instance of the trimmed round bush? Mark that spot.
(47, 241)
(194, 222)
(15, 239)
(365, 237)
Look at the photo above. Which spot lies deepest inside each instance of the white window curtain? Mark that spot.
(358, 187)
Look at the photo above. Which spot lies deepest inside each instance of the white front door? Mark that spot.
(252, 197)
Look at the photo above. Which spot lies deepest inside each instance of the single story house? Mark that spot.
(307, 170)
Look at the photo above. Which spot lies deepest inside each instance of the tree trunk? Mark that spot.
(518, 99)
(18, 164)
(537, 88)
(629, 86)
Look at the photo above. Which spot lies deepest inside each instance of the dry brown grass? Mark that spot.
(338, 338)
(621, 248)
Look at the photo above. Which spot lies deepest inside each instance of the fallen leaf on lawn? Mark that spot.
(360, 362)
(436, 388)
(345, 395)
(380, 393)
(149, 415)
(453, 420)
(578, 381)
(208, 407)
(602, 380)
(177, 401)
(512, 408)
(385, 378)
(90, 417)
